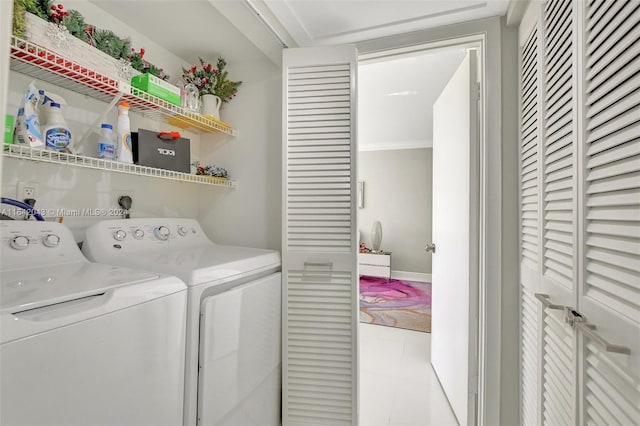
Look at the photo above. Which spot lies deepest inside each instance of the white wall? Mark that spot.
(251, 214)
(397, 192)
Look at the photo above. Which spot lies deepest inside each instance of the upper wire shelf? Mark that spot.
(33, 60)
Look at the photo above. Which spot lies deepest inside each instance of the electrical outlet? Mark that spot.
(26, 190)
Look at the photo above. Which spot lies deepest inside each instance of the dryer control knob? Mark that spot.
(162, 233)
(20, 242)
(51, 240)
(138, 234)
(119, 235)
(182, 231)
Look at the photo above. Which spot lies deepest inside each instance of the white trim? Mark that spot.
(515, 11)
(411, 276)
(392, 146)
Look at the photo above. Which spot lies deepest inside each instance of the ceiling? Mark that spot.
(396, 97)
(323, 22)
(197, 28)
(192, 28)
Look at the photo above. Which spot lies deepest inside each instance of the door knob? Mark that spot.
(430, 248)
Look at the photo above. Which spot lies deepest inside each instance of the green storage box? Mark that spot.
(8, 128)
(157, 87)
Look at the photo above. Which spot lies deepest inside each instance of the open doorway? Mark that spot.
(396, 98)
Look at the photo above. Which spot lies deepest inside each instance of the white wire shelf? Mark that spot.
(46, 156)
(33, 60)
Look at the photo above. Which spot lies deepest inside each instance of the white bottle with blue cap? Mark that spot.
(106, 147)
(56, 134)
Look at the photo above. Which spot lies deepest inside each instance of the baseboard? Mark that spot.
(411, 276)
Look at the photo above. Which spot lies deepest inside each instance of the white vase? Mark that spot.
(376, 236)
(211, 106)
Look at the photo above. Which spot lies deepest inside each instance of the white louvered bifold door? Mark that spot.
(559, 216)
(320, 292)
(530, 225)
(610, 293)
(588, 233)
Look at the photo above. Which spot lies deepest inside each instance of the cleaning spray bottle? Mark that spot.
(125, 153)
(44, 107)
(56, 134)
(106, 148)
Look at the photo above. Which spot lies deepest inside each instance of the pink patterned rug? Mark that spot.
(395, 303)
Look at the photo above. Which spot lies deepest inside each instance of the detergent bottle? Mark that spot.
(125, 153)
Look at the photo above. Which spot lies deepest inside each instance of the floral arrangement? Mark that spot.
(104, 40)
(212, 80)
(210, 170)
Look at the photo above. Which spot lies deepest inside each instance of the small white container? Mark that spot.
(106, 147)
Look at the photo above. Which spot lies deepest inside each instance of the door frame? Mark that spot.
(485, 36)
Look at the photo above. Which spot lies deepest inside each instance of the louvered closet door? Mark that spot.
(610, 292)
(320, 294)
(530, 224)
(559, 216)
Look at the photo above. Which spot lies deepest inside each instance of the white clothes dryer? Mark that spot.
(84, 343)
(232, 374)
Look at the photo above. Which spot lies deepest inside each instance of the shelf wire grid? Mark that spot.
(33, 60)
(55, 157)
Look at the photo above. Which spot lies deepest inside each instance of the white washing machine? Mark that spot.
(84, 343)
(232, 374)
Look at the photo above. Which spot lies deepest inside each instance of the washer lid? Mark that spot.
(22, 290)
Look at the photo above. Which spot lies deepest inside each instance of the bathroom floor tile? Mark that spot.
(398, 386)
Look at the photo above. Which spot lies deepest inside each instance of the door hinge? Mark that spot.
(477, 90)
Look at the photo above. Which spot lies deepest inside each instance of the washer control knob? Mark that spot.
(51, 240)
(182, 231)
(119, 235)
(20, 242)
(162, 233)
(138, 234)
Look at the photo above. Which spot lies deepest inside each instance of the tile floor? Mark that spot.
(397, 384)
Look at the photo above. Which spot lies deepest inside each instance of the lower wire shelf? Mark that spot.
(46, 156)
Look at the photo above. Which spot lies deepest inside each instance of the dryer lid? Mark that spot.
(209, 263)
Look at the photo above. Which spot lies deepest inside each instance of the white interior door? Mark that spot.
(320, 280)
(455, 270)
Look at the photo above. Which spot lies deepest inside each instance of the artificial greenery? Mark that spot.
(108, 42)
(105, 40)
(225, 89)
(212, 80)
(37, 7)
(210, 170)
(19, 21)
(75, 24)
(41, 8)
